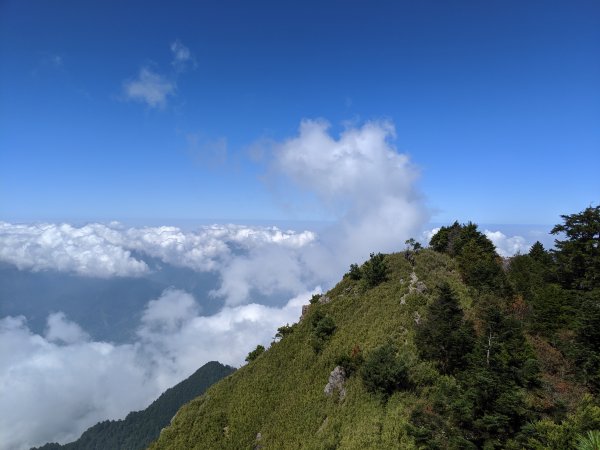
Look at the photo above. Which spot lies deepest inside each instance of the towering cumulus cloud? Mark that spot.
(361, 178)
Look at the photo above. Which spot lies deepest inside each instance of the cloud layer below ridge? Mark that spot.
(55, 385)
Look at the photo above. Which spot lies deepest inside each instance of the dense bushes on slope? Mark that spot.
(384, 372)
(259, 350)
(373, 272)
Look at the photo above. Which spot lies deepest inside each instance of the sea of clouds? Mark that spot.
(55, 384)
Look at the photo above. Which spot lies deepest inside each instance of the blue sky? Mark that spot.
(497, 103)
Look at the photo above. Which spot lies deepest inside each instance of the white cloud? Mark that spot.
(182, 57)
(150, 88)
(89, 250)
(170, 311)
(268, 269)
(50, 391)
(428, 234)
(203, 250)
(153, 88)
(106, 250)
(507, 246)
(62, 330)
(53, 387)
(359, 165)
(227, 336)
(362, 179)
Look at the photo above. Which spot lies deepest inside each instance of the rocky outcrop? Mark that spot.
(257, 440)
(323, 299)
(414, 285)
(337, 379)
(417, 317)
(304, 311)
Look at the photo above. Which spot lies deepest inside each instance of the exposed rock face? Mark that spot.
(304, 311)
(337, 379)
(417, 317)
(324, 299)
(258, 439)
(414, 286)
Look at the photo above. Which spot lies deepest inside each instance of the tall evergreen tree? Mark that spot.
(375, 269)
(588, 339)
(578, 256)
(501, 368)
(444, 336)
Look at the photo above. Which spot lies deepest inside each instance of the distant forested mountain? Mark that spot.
(140, 428)
(446, 347)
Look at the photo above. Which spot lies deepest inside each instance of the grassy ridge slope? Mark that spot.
(280, 395)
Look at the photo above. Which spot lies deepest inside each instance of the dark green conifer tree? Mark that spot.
(375, 269)
(578, 256)
(444, 336)
(383, 372)
(502, 367)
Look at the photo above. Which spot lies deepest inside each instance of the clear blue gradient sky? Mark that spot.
(497, 103)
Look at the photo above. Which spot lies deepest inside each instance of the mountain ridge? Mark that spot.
(513, 365)
(140, 428)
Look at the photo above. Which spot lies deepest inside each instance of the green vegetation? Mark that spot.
(480, 266)
(283, 331)
(259, 350)
(315, 298)
(578, 256)
(590, 441)
(384, 372)
(355, 273)
(445, 337)
(373, 272)
(323, 327)
(413, 245)
(352, 362)
(444, 347)
(140, 428)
